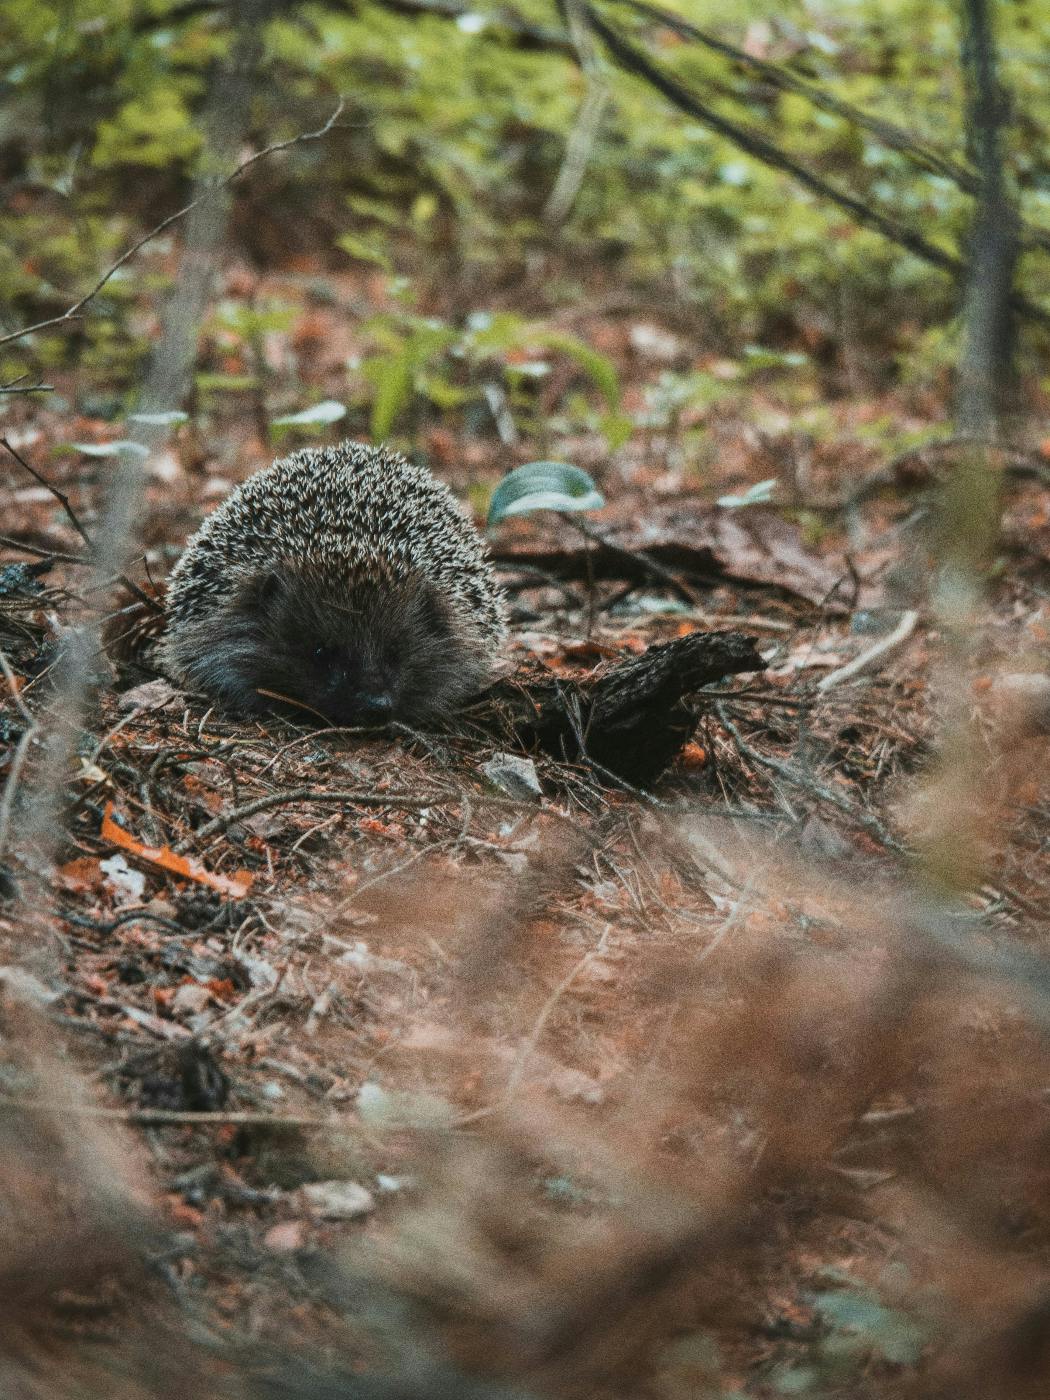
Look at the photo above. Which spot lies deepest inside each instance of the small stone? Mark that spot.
(515, 777)
(190, 998)
(289, 1235)
(337, 1200)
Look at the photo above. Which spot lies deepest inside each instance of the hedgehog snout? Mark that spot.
(359, 694)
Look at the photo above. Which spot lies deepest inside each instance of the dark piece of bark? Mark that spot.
(629, 718)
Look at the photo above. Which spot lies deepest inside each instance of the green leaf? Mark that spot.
(355, 247)
(598, 368)
(319, 416)
(160, 420)
(616, 428)
(227, 383)
(111, 449)
(759, 494)
(543, 486)
(393, 377)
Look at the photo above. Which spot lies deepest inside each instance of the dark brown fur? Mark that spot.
(356, 653)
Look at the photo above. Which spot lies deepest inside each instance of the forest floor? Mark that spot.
(703, 1090)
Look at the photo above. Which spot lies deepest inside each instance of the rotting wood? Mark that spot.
(629, 718)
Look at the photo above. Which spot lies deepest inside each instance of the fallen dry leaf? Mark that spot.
(236, 886)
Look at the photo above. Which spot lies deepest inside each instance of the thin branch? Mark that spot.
(15, 386)
(309, 794)
(754, 144)
(74, 520)
(639, 557)
(74, 311)
(797, 778)
(38, 553)
(59, 496)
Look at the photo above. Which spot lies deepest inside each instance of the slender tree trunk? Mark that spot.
(225, 123)
(985, 385)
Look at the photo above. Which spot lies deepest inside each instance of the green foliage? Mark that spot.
(455, 139)
(423, 359)
(154, 129)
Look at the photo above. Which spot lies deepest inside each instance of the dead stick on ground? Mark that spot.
(53, 555)
(405, 802)
(797, 778)
(900, 634)
(160, 1116)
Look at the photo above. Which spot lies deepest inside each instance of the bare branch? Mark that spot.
(755, 144)
(59, 496)
(74, 311)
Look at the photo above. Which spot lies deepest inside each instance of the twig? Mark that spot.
(638, 557)
(15, 388)
(59, 496)
(797, 778)
(900, 633)
(56, 554)
(309, 794)
(160, 1116)
(73, 313)
(7, 802)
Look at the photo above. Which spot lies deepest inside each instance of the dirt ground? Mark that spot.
(325, 1056)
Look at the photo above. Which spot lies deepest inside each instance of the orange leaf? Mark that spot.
(236, 886)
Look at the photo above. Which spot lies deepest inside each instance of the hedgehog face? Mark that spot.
(355, 652)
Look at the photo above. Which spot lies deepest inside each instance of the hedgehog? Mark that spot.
(339, 580)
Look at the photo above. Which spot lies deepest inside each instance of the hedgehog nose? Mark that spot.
(377, 708)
